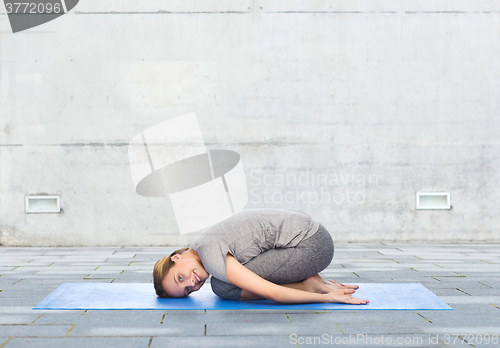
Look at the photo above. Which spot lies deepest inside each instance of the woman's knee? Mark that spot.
(225, 290)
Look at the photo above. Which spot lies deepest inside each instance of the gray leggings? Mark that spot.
(285, 265)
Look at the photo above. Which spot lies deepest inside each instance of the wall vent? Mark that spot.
(43, 204)
(433, 200)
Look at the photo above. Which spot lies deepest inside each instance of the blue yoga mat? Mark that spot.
(395, 296)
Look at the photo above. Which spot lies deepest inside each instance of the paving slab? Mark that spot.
(102, 318)
(80, 342)
(19, 330)
(187, 329)
(267, 324)
(224, 341)
(26, 319)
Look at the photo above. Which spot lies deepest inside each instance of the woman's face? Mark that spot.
(185, 277)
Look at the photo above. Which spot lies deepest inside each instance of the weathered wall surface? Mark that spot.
(342, 109)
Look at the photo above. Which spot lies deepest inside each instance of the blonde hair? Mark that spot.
(160, 271)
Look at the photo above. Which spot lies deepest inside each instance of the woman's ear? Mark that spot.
(176, 257)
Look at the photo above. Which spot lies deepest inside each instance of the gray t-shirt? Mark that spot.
(249, 233)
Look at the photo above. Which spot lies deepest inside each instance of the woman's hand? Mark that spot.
(344, 296)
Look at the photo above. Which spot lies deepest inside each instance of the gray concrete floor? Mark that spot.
(466, 276)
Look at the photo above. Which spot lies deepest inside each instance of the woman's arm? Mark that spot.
(251, 283)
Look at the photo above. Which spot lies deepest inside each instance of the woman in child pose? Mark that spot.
(273, 254)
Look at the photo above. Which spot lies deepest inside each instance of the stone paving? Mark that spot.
(466, 276)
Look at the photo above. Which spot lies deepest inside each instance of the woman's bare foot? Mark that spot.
(334, 285)
(318, 284)
(315, 284)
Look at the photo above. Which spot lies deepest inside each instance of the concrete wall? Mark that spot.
(384, 98)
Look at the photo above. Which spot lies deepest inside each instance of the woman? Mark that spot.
(270, 254)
